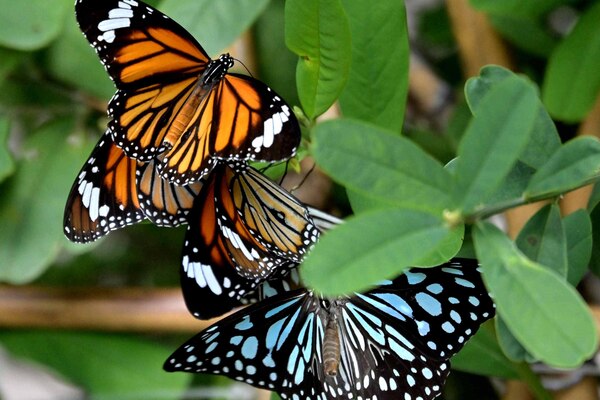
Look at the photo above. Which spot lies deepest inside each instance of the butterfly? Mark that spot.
(173, 100)
(242, 229)
(113, 191)
(392, 342)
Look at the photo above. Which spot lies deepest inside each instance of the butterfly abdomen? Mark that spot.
(331, 347)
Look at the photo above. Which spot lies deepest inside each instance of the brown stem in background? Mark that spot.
(577, 199)
(122, 309)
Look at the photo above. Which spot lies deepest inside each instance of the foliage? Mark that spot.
(410, 208)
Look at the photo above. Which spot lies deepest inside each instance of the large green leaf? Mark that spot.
(215, 24)
(378, 82)
(545, 314)
(544, 138)
(32, 24)
(33, 201)
(543, 239)
(319, 33)
(373, 246)
(381, 165)
(482, 355)
(572, 81)
(575, 164)
(578, 229)
(7, 165)
(105, 366)
(87, 73)
(499, 131)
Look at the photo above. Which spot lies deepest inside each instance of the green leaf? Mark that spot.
(575, 164)
(381, 165)
(482, 355)
(7, 165)
(105, 366)
(516, 7)
(319, 33)
(543, 239)
(544, 138)
(498, 133)
(361, 202)
(87, 73)
(545, 314)
(578, 230)
(10, 61)
(594, 198)
(509, 344)
(270, 41)
(529, 34)
(373, 246)
(595, 259)
(215, 24)
(33, 24)
(33, 201)
(377, 86)
(572, 81)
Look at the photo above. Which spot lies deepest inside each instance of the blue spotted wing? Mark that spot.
(393, 342)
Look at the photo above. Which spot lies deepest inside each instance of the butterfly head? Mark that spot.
(216, 70)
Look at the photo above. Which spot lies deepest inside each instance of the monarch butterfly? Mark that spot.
(392, 342)
(113, 191)
(172, 99)
(242, 228)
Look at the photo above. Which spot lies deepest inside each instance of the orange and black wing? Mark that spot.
(154, 62)
(240, 118)
(274, 217)
(113, 191)
(104, 195)
(162, 202)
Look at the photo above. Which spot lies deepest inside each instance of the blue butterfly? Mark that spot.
(393, 342)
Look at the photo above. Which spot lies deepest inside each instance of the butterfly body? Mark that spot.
(175, 104)
(394, 341)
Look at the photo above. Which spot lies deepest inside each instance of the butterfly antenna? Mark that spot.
(304, 178)
(244, 65)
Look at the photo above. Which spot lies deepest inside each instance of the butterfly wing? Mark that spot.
(400, 336)
(242, 119)
(215, 251)
(103, 198)
(162, 202)
(277, 220)
(272, 344)
(384, 336)
(154, 62)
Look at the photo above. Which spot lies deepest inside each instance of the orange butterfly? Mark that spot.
(113, 191)
(173, 100)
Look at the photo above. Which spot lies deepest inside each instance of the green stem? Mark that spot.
(532, 381)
